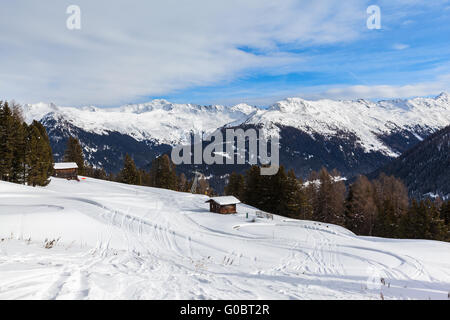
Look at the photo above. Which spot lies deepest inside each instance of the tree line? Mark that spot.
(162, 173)
(380, 207)
(25, 153)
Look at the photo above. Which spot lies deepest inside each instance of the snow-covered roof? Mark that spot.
(224, 201)
(65, 165)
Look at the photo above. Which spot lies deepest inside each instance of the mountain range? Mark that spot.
(353, 136)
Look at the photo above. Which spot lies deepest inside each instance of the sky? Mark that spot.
(221, 52)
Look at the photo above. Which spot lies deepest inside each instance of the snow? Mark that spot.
(165, 122)
(65, 165)
(158, 120)
(225, 200)
(362, 118)
(117, 241)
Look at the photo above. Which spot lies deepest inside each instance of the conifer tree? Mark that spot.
(291, 195)
(444, 212)
(307, 194)
(38, 156)
(330, 199)
(252, 186)
(360, 207)
(391, 198)
(182, 183)
(6, 142)
(236, 185)
(74, 153)
(163, 173)
(129, 173)
(422, 221)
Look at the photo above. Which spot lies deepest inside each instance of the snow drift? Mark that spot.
(102, 240)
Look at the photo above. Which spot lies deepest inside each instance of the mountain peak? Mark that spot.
(443, 96)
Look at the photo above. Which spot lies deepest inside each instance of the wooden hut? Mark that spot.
(223, 205)
(66, 170)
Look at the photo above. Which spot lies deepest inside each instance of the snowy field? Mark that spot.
(101, 240)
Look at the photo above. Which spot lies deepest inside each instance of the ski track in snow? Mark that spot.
(123, 242)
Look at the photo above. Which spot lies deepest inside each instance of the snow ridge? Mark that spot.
(171, 123)
(367, 120)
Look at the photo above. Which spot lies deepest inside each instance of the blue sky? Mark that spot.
(206, 52)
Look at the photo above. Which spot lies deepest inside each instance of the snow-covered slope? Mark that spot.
(158, 120)
(121, 241)
(367, 120)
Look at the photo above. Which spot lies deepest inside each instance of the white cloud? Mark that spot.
(400, 46)
(267, 97)
(126, 51)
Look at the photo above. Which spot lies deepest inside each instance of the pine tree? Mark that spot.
(19, 145)
(163, 173)
(307, 194)
(291, 197)
(129, 173)
(391, 199)
(423, 222)
(252, 186)
(6, 142)
(236, 185)
(444, 212)
(38, 156)
(74, 153)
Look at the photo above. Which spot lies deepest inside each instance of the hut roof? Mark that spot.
(224, 201)
(65, 165)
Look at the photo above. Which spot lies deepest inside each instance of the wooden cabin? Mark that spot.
(223, 205)
(66, 170)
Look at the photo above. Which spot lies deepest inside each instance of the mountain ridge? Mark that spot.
(353, 136)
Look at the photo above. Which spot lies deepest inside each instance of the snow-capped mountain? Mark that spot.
(159, 120)
(368, 121)
(354, 137)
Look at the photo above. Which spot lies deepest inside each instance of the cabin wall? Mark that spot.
(216, 208)
(66, 173)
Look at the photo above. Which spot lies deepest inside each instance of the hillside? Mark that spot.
(425, 168)
(116, 241)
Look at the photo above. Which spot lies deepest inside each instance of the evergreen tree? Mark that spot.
(423, 222)
(291, 196)
(96, 173)
(444, 212)
(129, 173)
(74, 153)
(236, 185)
(6, 142)
(252, 186)
(391, 199)
(38, 156)
(19, 132)
(163, 173)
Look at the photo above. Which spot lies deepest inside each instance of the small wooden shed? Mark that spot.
(66, 170)
(223, 205)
